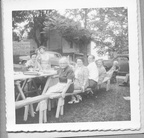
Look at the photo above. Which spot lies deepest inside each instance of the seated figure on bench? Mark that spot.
(110, 73)
(116, 68)
(93, 73)
(65, 75)
(105, 77)
(101, 70)
(81, 79)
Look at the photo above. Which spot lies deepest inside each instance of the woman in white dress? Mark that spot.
(44, 59)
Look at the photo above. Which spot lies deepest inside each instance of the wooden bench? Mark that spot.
(61, 100)
(106, 81)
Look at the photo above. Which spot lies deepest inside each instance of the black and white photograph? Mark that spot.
(70, 68)
(90, 46)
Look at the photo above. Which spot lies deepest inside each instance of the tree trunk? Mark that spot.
(84, 50)
(85, 45)
(36, 37)
(85, 18)
(37, 41)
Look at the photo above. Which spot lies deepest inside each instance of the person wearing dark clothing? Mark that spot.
(65, 75)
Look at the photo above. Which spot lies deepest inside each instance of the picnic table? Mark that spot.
(45, 101)
(25, 76)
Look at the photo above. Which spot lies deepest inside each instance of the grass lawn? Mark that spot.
(108, 106)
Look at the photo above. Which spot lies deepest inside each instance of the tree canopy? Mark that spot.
(68, 29)
(33, 24)
(107, 27)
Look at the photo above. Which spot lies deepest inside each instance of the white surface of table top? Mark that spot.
(120, 77)
(21, 75)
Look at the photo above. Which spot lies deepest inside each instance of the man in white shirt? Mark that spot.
(93, 72)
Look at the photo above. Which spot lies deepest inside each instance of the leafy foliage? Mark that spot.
(114, 29)
(107, 27)
(33, 20)
(68, 29)
(71, 29)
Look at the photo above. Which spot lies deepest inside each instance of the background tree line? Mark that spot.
(106, 27)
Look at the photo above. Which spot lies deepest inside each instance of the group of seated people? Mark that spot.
(80, 77)
(39, 60)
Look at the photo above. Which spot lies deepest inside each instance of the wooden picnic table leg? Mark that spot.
(23, 97)
(26, 112)
(49, 104)
(42, 108)
(19, 93)
(18, 97)
(60, 107)
(108, 85)
(46, 85)
(52, 103)
(43, 114)
(40, 116)
(28, 108)
(20, 90)
(23, 85)
(31, 110)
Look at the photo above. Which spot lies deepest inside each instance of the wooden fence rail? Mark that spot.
(36, 99)
(30, 100)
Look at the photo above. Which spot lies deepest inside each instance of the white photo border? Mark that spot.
(12, 5)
